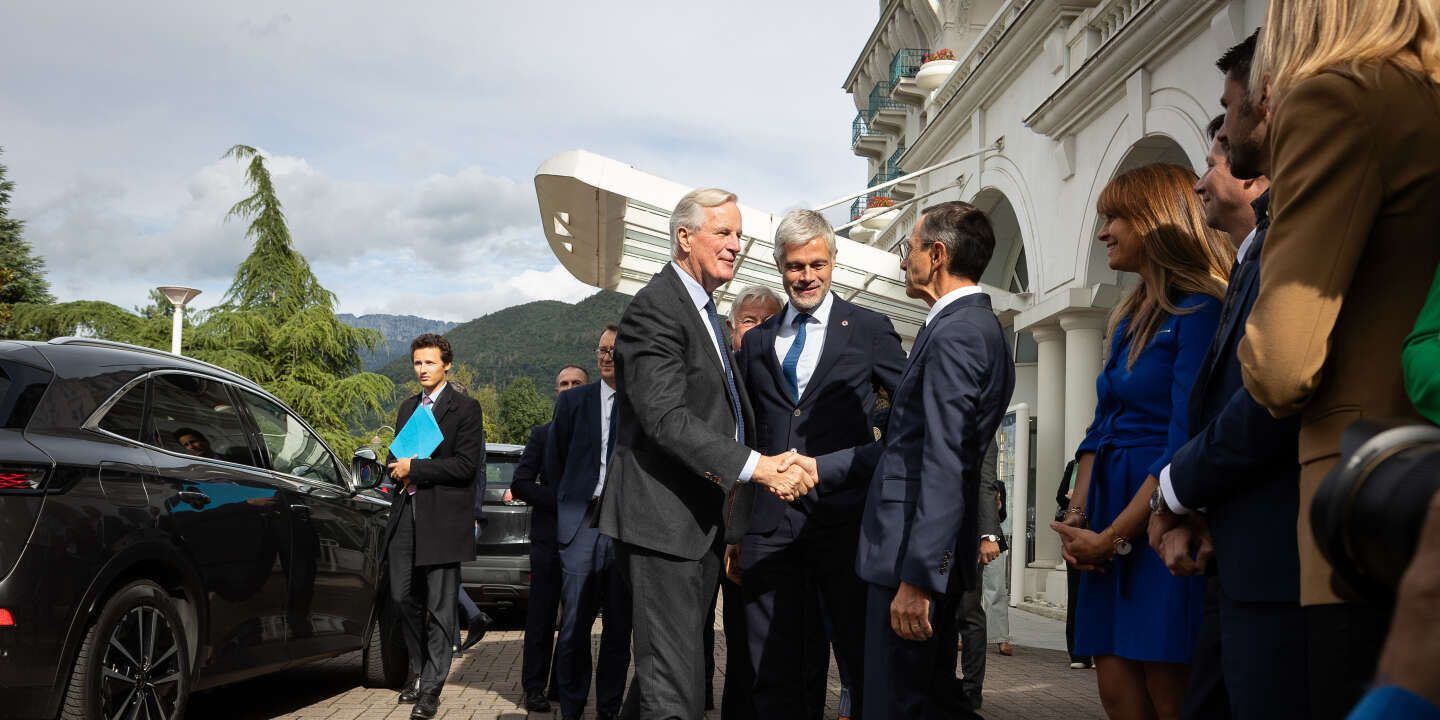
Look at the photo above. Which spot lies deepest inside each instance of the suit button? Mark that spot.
(797, 412)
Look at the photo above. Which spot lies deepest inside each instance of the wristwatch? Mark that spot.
(991, 538)
(1158, 506)
(1122, 546)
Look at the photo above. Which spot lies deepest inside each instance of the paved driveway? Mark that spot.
(1035, 684)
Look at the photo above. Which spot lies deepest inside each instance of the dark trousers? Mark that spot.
(799, 581)
(973, 634)
(1205, 696)
(669, 599)
(536, 670)
(908, 679)
(1072, 586)
(736, 703)
(1344, 648)
(426, 597)
(591, 581)
(1263, 650)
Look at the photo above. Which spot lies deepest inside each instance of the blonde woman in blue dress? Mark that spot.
(1132, 615)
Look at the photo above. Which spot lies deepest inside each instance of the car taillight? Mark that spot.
(6, 619)
(13, 478)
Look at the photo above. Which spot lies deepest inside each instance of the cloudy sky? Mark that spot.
(403, 136)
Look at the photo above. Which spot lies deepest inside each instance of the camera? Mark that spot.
(1367, 513)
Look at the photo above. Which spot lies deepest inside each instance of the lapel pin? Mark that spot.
(845, 323)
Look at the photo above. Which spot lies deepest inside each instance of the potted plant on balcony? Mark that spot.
(935, 67)
(879, 213)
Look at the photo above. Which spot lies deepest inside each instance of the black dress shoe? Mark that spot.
(535, 701)
(410, 692)
(477, 629)
(427, 705)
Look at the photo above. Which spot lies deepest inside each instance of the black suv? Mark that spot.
(168, 526)
(499, 576)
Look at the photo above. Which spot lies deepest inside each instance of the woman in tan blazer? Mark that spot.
(1353, 88)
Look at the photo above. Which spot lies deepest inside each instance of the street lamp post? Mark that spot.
(179, 297)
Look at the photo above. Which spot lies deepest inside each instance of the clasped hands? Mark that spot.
(789, 475)
(1182, 541)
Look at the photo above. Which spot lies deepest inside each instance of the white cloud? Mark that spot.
(404, 137)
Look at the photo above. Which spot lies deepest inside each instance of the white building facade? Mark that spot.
(1068, 93)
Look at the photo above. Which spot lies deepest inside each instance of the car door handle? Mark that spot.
(300, 509)
(194, 497)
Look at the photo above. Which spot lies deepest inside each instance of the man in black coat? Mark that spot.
(530, 487)
(812, 371)
(1241, 467)
(432, 522)
(681, 471)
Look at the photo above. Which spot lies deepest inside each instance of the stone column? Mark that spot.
(1050, 452)
(1084, 338)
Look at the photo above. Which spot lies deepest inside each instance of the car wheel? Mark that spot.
(133, 661)
(385, 664)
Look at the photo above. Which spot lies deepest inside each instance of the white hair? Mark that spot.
(749, 294)
(690, 212)
(799, 227)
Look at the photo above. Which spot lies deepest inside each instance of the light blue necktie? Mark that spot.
(792, 358)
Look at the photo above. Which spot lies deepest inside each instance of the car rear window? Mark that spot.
(499, 471)
(21, 387)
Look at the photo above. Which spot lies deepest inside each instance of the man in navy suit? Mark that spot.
(530, 487)
(811, 371)
(1241, 467)
(919, 535)
(577, 453)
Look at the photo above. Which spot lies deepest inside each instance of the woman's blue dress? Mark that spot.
(1136, 609)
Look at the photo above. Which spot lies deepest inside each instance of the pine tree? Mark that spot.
(277, 324)
(22, 273)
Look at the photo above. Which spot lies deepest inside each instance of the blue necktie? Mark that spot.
(792, 358)
(729, 375)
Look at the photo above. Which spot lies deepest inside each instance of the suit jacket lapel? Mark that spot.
(691, 315)
(768, 332)
(590, 416)
(837, 338)
(923, 337)
(442, 406)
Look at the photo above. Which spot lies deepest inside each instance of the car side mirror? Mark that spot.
(366, 469)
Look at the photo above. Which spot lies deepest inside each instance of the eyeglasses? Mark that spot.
(605, 351)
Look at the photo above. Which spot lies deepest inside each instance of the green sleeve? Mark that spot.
(1421, 357)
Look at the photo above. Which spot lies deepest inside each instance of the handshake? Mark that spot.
(789, 475)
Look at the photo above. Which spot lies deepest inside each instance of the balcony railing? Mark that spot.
(884, 176)
(892, 166)
(880, 100)
(860, 128)
(857, 208)
(906, 63)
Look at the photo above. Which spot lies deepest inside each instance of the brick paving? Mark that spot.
(1035, 684)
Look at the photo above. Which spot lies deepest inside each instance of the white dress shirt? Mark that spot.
(815, 329)
(607, 401)
(948, 298)
(1167, 487)
(701, 299)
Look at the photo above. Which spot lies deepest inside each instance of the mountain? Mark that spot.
(398, 330)
(533, 340)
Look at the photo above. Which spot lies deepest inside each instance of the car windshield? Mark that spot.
(499, 471)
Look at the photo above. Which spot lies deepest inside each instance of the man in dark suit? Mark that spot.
(432, 523)
(577, 450)
(920, 533)
(811, 371)
(1241, 467)
(530, 487)
(681, 471)
(973, 621)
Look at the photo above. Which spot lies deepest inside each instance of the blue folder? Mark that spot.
(420, 436)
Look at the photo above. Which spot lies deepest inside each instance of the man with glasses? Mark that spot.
(577, 453)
